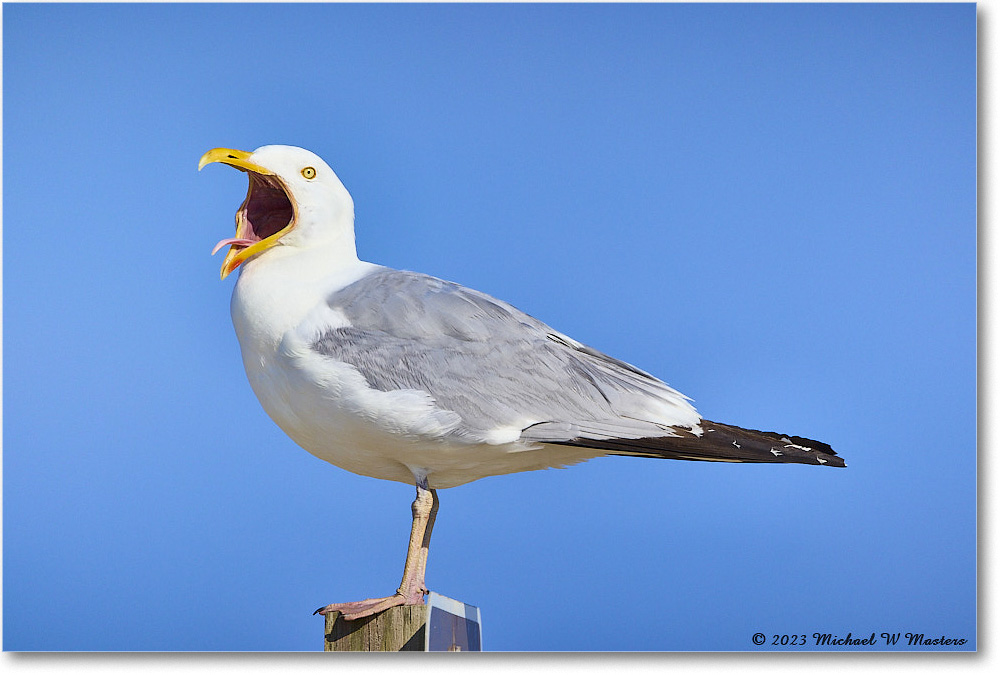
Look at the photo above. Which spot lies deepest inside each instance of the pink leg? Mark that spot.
(412, 589)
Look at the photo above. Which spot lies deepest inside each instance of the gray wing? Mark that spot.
(493, 365)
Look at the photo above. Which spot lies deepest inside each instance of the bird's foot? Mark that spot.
(363, 608)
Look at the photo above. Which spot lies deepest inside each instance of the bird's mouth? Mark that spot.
(266, 214)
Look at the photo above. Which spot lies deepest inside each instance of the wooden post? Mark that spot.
(397, 629)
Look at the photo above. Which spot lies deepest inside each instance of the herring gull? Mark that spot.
(405, 377)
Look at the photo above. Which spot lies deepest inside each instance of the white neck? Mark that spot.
(276, 290)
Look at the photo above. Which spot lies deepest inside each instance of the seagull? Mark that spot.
(405, 377)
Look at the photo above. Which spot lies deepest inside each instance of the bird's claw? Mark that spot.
(363, 608)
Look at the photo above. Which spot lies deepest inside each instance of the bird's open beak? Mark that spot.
(267, 213)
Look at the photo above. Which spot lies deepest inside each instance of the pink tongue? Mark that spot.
(231, 242)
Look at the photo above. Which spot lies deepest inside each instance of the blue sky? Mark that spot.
(770, 207)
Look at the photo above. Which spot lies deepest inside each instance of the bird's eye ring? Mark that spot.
(309, 172)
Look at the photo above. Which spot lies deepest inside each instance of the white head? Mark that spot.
(294, 199)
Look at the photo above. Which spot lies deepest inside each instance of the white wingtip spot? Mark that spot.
(821, 460)
(776, 453)
(737, 444)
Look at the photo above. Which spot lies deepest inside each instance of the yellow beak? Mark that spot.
(240, 159)
(234, 158)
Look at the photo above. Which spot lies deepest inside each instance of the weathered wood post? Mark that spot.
(442, 624)
(397, 629)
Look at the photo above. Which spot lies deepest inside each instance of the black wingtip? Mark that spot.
(723, 443)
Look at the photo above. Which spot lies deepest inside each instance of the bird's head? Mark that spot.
(294, 199)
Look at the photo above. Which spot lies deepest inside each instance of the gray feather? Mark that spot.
(491, 363)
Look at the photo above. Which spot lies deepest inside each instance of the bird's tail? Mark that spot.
(723, 443)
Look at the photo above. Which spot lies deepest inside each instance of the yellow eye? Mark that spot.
(309, 172)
